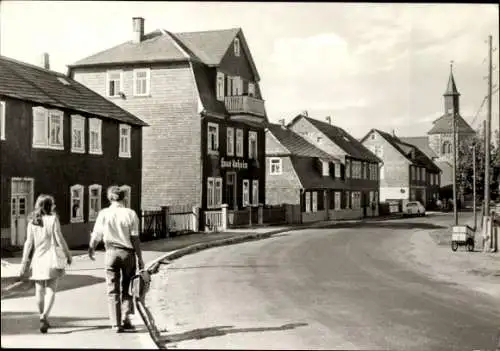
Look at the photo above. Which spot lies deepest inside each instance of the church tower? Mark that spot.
(451, 96)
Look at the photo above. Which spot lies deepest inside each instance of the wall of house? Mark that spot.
(54, 171)
(171, 144)
(283, 188)
(347, 214)
(394, 193)
(314, 216)
(309, 132)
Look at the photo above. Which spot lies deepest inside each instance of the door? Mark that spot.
(231, 190)
(21, 203)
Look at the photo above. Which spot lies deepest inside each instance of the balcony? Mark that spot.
(244, 104)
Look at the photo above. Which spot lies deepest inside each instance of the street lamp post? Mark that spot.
(474, 184)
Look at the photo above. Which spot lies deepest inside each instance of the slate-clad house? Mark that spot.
(407, 173)
(199, 92)
(359, 166)
(60, 138)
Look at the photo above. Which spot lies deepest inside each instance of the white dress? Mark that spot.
(42, 241)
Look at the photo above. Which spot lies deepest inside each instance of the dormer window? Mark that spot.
(236, 47)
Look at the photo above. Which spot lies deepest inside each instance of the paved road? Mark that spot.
(322, 289)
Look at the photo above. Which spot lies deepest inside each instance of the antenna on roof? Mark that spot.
(329, 119)
(305, 113)
(282, 122)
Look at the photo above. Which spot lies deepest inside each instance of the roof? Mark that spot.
(447, 172)
(296, 144)
(422, 143)
(308, 176)
(451, 88)
(411, 152)
(207, 47)
(23, 81)
(444, 125)
(205, 89)
(342, 139)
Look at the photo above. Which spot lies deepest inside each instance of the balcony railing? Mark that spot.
(245, 104)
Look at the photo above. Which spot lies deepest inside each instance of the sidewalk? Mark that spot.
(79, 316)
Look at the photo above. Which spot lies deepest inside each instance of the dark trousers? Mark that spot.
(120, 267)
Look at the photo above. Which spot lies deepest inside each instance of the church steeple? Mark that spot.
(451, 96)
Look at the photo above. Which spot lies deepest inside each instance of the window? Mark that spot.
(2, 120)
(275, 166)
(308, 201)
(77, 134)
(230, 142)
(114, 86)
(251, 89)
(246, 194)
(373, 136)
(236, 47)
(141, 81)
(252, 145)
(94, 201)
(336, 168)
(424, 176)
(235, 86)
(355, 200)
(325, 168)
(379, 151)
(95, 132)
(338, 200)
(48, 128)
(213, 138)
(314, 206)
(218, 192)
(76, 204)
(220, 86)
(210, 192)
(365, 170)
(446, 148)
(124, 141)
(239, 142)
(127, 198)
(347, 200)
(417, 172)
(347, 169)
(255, 192)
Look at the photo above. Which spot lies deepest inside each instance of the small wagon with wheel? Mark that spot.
(462, 235)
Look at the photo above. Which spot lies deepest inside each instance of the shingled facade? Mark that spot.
(199, 92)
(60, 138)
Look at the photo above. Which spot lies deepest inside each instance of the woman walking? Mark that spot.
(43, 233)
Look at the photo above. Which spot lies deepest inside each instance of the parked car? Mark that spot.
(414, 208)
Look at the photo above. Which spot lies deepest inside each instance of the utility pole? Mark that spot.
(487, 138)
(454, 133)
(474, 184)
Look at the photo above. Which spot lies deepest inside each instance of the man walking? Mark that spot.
(118, 227)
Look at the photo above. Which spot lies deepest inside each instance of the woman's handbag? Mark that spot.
(58, 256)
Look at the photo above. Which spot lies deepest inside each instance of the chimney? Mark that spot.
(138, 29)
(44, 62)
(305, 113)
(393, 133)
(282, 122)
(329, 119)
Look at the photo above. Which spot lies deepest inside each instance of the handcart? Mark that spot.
(462, 235)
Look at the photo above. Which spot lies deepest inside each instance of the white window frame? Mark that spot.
(325, 168)
(210, 192)
(217, 192)
(308, 201)
(75, 120)
(60, 116)
(336, 170)
(347, 199)
(220, 86)
(246, 192)
(209, 139)
(98, 197)
(255, 192)
(338, 200)
(108, 80)
(278, 165)
(252, 153)
(127, 138)
(79, 188)
(230, 141)
(347, 169)
(45, 142)
(237, 47)
(2, 120)
(251, 89)
(147, 78)
(239, 142)
(95, 125)
(126, 198)
(314, 207)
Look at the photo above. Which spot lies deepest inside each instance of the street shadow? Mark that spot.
(24, 322)
(387, 225)
(203, 333)
(13, 288)
(224, 266)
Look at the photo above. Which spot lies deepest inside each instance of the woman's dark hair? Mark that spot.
(44, 206)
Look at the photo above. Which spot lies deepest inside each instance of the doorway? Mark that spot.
(21, 205)
(231, 197)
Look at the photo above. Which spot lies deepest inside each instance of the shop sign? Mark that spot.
(233, 164)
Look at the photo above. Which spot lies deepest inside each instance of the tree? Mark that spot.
(465, 170)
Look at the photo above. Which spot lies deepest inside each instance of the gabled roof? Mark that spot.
(27, 82)
(411, 152)
(207, 47)
(444, 125)
(451, 87)
(422, 143)
(342, 139)
(309, 178)
(295, 144)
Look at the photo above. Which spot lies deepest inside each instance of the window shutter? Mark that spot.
(40, 132)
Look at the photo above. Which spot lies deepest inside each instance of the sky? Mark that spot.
(382, 66)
